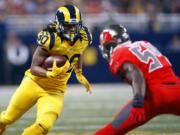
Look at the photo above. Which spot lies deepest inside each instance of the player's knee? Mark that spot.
(5, 120)
(48, 120)
(43, 126)
(35, 129)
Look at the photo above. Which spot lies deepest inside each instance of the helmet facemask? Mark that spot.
(107, 50)
(69, 30)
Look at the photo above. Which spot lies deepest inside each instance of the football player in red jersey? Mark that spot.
(155, 86)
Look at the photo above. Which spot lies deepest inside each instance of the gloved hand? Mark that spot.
(138, 101)
(82, 79)
(138, 112)
(137, 115)
(57, 70)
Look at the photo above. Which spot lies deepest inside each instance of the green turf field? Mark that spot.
(84, 113)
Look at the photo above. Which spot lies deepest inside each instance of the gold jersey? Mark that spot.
(56, 45)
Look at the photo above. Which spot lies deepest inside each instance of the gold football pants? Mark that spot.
(49, 107)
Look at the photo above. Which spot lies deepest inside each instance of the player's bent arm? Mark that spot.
(39, 55)
(78, 65)
(80, 77)
(132, 73)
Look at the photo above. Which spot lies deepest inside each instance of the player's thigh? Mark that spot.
(172, 94)
(49, 103)
(24, 97)
(165, 98)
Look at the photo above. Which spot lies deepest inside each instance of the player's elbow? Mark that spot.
(33, 70)
(138, 77)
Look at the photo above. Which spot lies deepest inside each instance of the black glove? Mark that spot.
(138, 101)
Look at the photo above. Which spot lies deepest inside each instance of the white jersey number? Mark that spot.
(148, 55)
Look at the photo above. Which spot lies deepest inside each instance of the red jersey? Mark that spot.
(154, 65)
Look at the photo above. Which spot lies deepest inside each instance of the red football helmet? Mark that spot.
(111, 37)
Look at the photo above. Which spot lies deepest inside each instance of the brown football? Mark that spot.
(48, 62)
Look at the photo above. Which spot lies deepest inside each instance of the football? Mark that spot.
(48, 62)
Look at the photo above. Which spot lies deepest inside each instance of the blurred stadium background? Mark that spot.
(157, 21)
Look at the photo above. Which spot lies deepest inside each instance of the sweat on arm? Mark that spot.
(39, 55)
(135, 77)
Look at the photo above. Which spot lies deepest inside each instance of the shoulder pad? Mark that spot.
(46, 39)
(86, 35)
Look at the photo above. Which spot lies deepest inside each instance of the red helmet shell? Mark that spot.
(107, 36)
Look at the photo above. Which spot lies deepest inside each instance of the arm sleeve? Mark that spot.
(118, 58)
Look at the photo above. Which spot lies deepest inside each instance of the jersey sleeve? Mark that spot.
(86, 36)
(46, 40)
(118, 58)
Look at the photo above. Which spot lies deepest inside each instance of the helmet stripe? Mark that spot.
(60, 16)
(72, 11)
(65, 12)
(78, 14)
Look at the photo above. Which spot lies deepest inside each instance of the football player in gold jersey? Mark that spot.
(68, 37)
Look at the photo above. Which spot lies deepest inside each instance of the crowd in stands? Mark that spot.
(21, 7)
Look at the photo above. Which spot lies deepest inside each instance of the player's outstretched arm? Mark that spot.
(133, 75)
(80, 77)
(39, 56)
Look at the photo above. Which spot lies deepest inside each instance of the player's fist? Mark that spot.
(57, 70)
(137, 115)
(82, 79)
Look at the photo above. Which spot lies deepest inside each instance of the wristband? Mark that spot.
(77, 71)
(138, 101)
